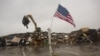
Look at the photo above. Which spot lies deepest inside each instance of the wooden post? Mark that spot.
(49, 38)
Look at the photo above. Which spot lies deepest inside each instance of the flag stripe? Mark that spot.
(57, 14)
(70, 17)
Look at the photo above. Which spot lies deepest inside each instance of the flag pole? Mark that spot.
(49, 37)
(52, 19)
(51, 23)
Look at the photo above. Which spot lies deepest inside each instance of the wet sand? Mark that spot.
(59, 50)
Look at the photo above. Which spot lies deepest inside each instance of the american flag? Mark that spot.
(63, 14)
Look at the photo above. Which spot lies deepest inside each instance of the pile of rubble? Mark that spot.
(83, 35)
(23, 39)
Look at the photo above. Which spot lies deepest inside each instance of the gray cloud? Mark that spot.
(85, 14)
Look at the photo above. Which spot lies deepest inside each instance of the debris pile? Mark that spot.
(83, 35)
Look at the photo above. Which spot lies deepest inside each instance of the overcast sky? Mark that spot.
(85, 13)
